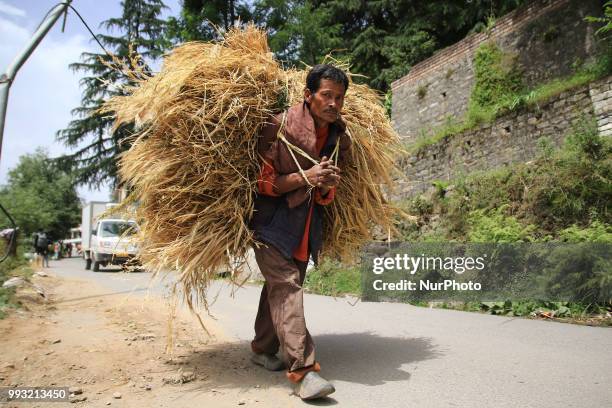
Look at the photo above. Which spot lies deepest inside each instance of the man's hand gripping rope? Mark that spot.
(324, 174)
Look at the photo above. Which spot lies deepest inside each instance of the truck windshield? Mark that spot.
(117, 228)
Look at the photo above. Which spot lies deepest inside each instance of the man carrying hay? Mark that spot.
(300, 150)
(200, 119)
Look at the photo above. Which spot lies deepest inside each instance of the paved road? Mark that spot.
(396, 355)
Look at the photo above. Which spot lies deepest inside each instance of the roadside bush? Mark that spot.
(596, 231)
(561, 188)
(496, 226)
(333, 279)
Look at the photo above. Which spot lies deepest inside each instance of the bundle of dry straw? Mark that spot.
(193, 164)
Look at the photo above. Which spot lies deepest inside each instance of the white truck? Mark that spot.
(106, 240)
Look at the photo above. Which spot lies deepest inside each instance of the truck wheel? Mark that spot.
(88, 264)
(96, 266)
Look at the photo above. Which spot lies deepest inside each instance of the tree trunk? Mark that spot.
(232, 13)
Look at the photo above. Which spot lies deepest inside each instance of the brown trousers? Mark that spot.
(280, 319)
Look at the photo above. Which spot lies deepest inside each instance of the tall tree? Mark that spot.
(298, 31)
(385, 38)
(139, 30)
(202, 20)
(39, 195)
(382, 39)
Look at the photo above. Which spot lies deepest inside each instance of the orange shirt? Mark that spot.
(265, 185)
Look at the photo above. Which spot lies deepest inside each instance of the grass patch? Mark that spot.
(5, 301)
(557, 86)
(331, 278)
(573, 312)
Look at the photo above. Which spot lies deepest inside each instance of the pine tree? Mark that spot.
(139, 30)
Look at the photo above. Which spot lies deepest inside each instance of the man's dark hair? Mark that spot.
(325, 71)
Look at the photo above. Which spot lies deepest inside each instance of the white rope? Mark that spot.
(292, 148)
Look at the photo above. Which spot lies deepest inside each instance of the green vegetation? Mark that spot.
(12, 266)
(333, 279)
(200, 20)
(39, 195)
(5, 295)
(421, 91)
(606, 21)
(552, 198)
(495, 226)
(389, 103)
(596, 231)
(497, 82)
(565, 311)
(139, 31)
(561, 196)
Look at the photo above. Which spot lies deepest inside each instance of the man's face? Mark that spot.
(326, 103)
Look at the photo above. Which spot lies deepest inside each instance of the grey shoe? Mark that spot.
(314, 386)
(268, 361)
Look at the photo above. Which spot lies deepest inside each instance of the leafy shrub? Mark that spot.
(332, 278)
(561, 188)
(495, 226)
(497, 81)
(582, 272)
(596, 231)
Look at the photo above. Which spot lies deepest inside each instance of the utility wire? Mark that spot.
(80, 18)
(88, 29)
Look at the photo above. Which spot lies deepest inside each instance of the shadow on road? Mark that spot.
(118, 269)
(365, 358)
(369, 359)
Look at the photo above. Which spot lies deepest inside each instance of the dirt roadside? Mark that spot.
(113, 348)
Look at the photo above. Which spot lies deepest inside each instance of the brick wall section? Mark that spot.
(601, 95)
(548, 36)
(510, 139)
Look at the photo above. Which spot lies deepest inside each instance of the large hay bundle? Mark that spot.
(193, 165)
